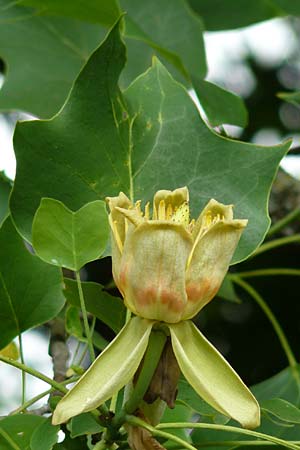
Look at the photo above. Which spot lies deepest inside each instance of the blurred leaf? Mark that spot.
(73, 322)
(104, 306)
(105, 11)
(200, 437)
(30, 290)
(179, 414)
(190, 398)
(79, 443)
(83, 424)
(288, 6)
(33, 83)
(156, 23)
(164, 123)
(44, 436)
(99, 342)
(220, 106)
(282, 409)
(19, 428)
(225, 15)
(227, 291)
(284, 384)
(10, 351)
(70, 239)
(5, 188)
(291, 97)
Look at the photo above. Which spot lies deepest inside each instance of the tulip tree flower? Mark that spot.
(167, 269)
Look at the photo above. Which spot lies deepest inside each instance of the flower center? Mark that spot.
(209, 220)
(179, 214)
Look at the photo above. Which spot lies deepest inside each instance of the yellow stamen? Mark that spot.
(162, 210)
(147, 211)
(182, 214)
(169, 211)
(138, 206)
(208, 220)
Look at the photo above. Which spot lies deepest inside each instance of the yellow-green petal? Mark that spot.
(211, 376)
(175, 198)
(109, 373)
(152, 270)
(208, 263)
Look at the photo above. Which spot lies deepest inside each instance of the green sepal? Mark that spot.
(211, 376)
(109, 373)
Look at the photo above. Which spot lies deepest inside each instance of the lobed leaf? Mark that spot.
(70, 239)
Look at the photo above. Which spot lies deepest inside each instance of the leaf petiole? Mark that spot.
(84, 315)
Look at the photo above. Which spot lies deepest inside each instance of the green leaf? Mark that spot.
(188, 396)
(99, 342)
(45, 436)
(42, 84)
(83, 157)
(30, 290)
(79, 443)
(5, 188)
(291, 97)
(19, 428)
(164, 125)
(220, 15)
(108, 309)
(289, 7)
(167, 126)
(83, 424)
(155, 24)
(70, 239)
(200, 437)
(282, 409)
(179, 414)
(73, 323)
(211, 376)
(284, 384)
(220, 106)
(105, 12)
(114, 368)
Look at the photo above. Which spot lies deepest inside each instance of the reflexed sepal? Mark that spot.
(211, 376)
(109, 373)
